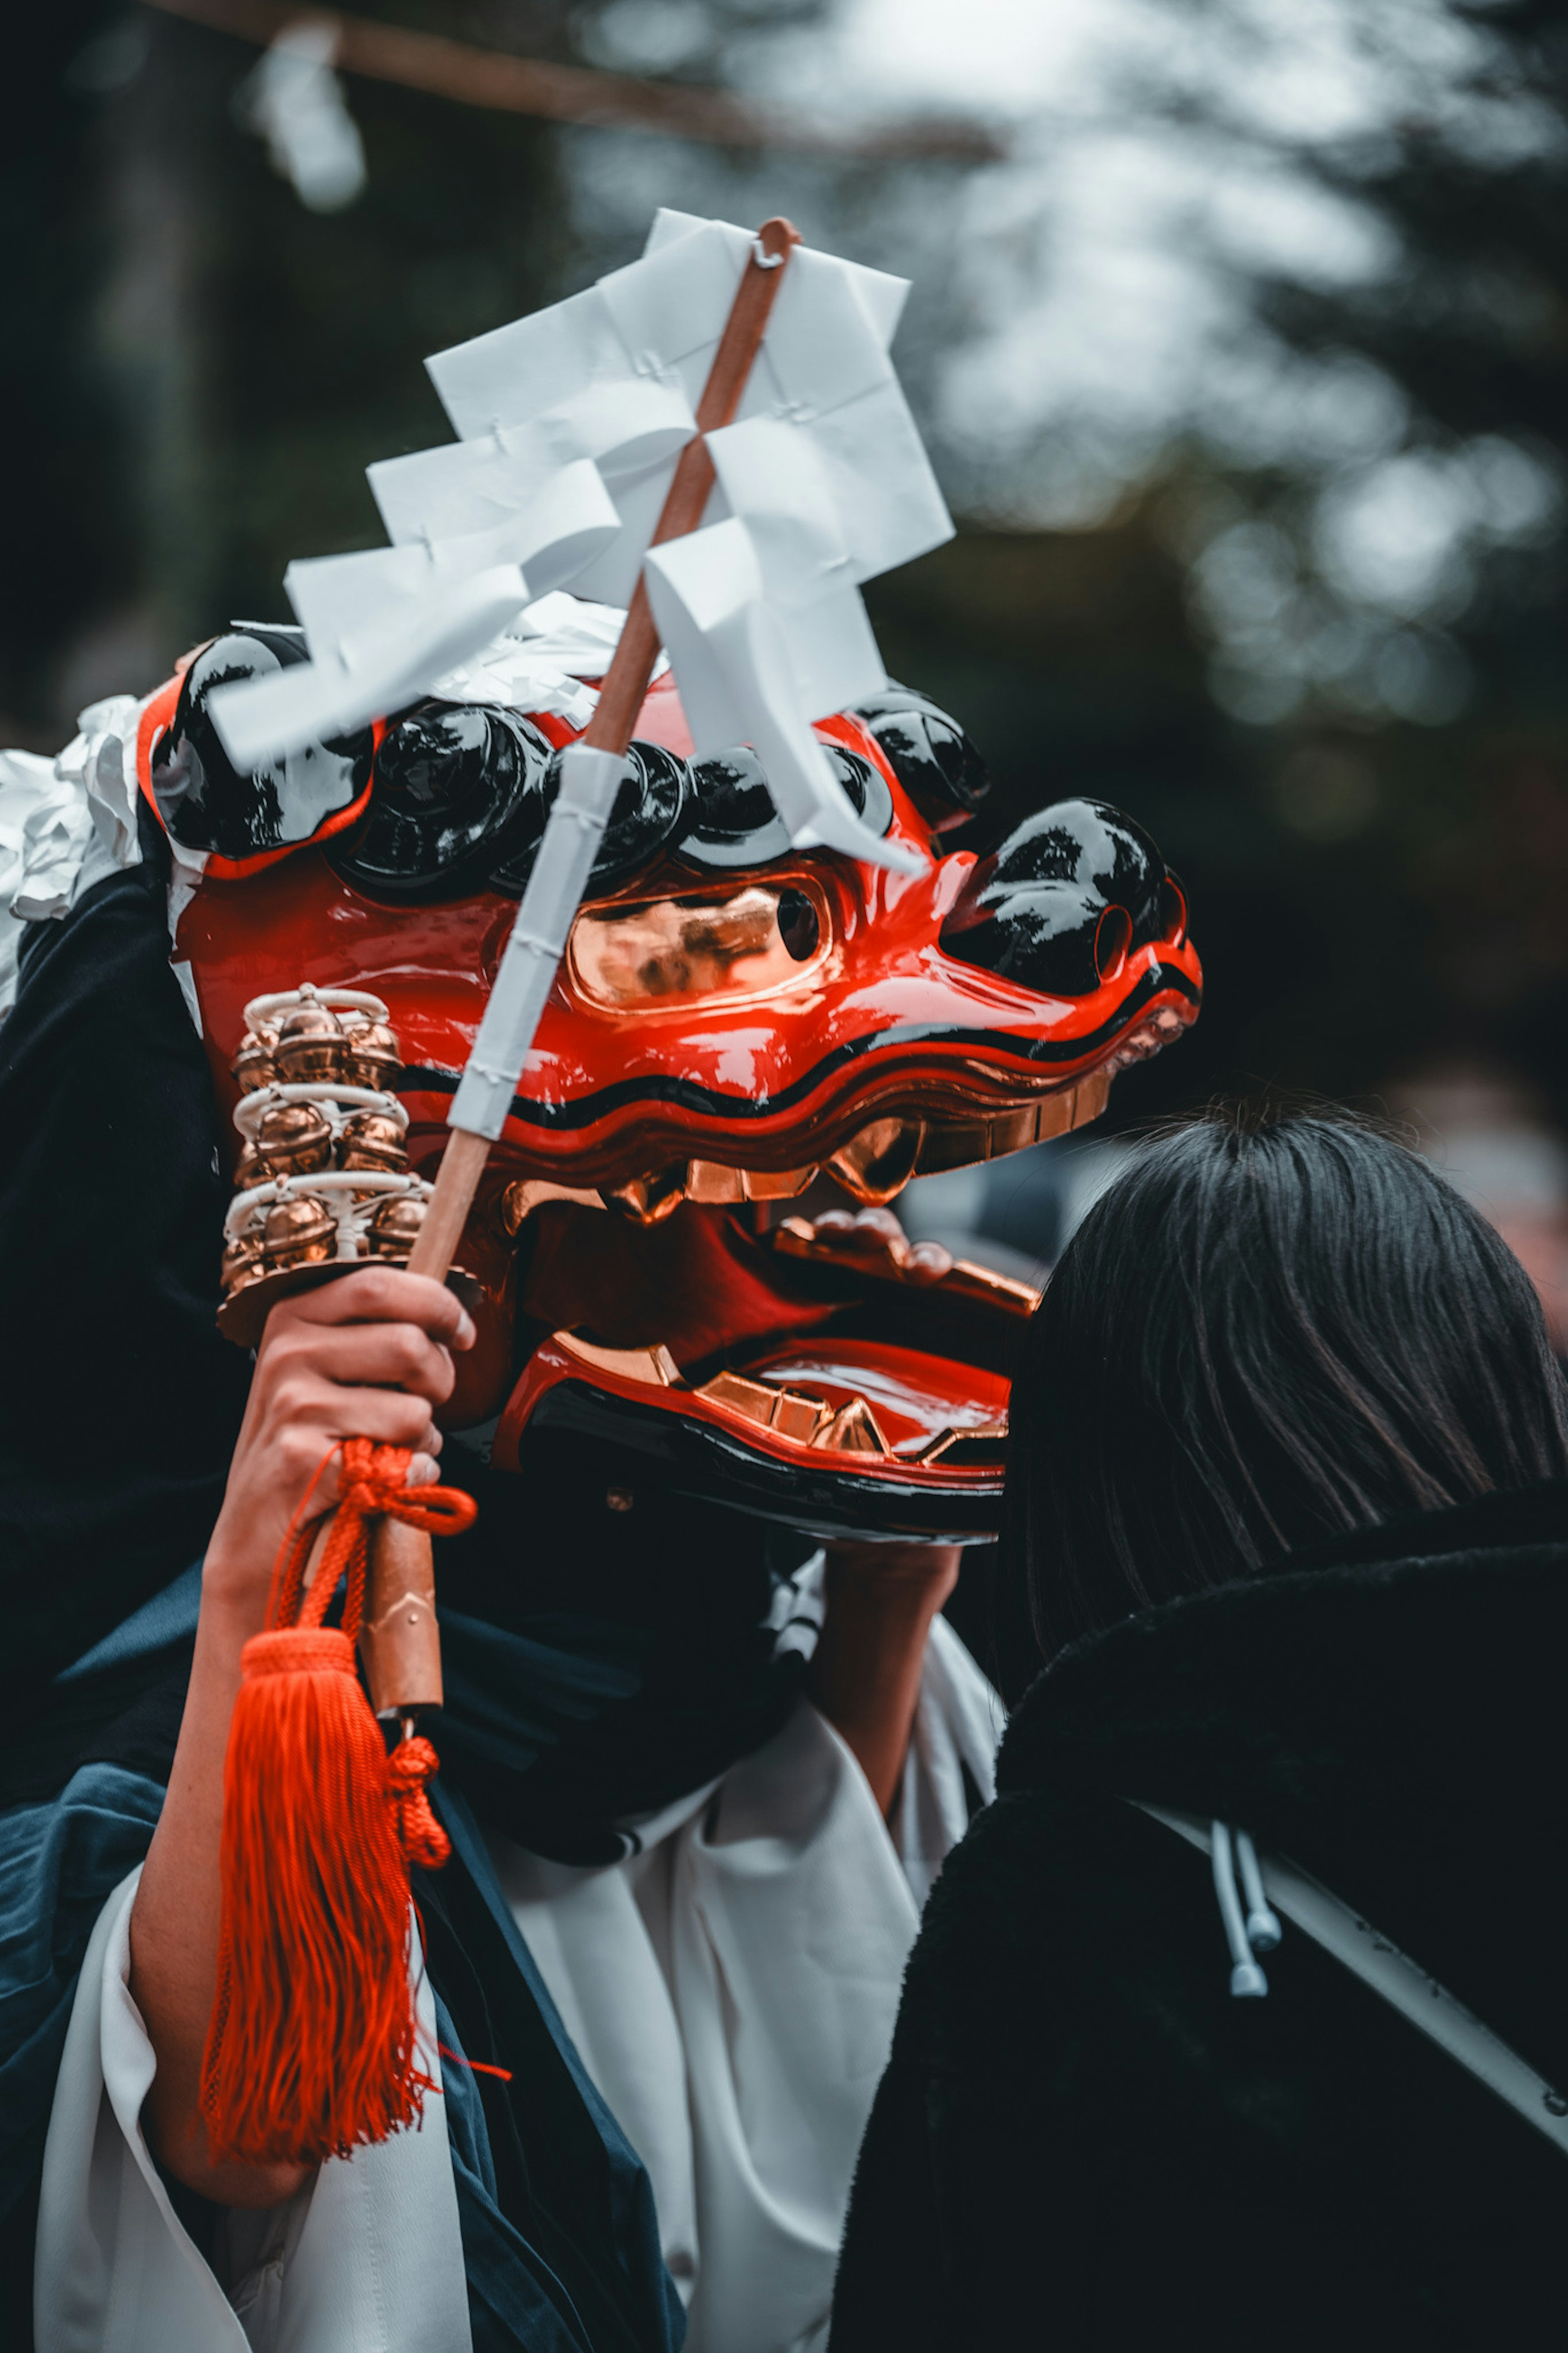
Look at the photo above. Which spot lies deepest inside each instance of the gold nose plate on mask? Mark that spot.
(638, 955)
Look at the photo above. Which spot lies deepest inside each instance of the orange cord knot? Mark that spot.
(375, 1484)
(377, 1480)
(420, 1835)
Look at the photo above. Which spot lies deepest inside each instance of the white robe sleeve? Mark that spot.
(733, 1989)
(367, 2258)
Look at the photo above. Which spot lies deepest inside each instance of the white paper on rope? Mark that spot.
(572, 421)
(384, 624)
(627, 430)
(732, 654)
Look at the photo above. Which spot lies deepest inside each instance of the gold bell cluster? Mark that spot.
(322, 1181)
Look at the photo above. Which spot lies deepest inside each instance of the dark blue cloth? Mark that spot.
(119, 1401)
(58, 1862)
(598, 1664)
(560, 2238)
(502, 2265)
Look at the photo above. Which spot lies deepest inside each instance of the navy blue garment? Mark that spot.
(119, 1413)
(598, 1662)
(58, 1862)
(560, 2237)
(664, 1610)
(1083, 2139)
(118, 1402)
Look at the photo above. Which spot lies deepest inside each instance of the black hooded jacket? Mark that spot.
(1082, 2140)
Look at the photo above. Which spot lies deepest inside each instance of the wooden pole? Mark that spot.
(401, 1641)
(626, 683)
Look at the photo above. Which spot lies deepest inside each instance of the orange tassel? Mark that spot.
(311, 2051)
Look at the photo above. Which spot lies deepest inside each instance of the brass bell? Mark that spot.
(394, 1228)
(252, 1066)
(374, 1056)
(293, 1138)
(301, 1231)
(249, 1169)
(371, 1140)
(241, 1262)
(311, 1044)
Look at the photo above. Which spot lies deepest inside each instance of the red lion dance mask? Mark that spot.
(732, 1019)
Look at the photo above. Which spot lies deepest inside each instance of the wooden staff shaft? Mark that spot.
(401, 1640)
(445, 1213)
(626, 683)
(631, 667)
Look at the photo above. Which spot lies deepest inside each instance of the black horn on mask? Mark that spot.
(207, 803)
(1058, 906)
(733, 820)
(649, 809)
(930, 754)
(456, 784)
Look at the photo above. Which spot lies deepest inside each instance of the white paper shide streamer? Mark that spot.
(570, 422)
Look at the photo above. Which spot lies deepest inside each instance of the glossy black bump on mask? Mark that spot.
(649, 809)
(203, 799)
(1057, 905)
(928, 753)
(456, 784)
(733, 820)
(866, 786)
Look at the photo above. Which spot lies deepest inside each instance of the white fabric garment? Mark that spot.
(539, 664)
(64, 824)
(368, 2258)
(731, 1988)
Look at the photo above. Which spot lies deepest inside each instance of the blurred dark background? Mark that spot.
(1291, 591)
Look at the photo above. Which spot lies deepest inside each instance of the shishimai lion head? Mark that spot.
(735, 1021)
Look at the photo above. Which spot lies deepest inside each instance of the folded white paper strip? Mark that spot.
(738, 659)
(567, 521)
(373, 671)
(571, 425)
(632, 430)
(384, 624)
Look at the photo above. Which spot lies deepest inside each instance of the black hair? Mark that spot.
(1273, 1329)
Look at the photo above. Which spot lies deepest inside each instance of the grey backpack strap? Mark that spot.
(1402, 1982)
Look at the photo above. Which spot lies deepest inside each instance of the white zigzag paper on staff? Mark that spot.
(383, 624)
(572, 421)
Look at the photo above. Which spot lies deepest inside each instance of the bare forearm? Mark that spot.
(368, 1356)
(866, 1672)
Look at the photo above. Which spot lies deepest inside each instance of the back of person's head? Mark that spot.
(1271, 1330)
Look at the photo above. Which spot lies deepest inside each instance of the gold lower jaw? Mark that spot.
(873, 1168)
(795, 1415)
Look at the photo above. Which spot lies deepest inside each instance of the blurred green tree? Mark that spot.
(1330, 683)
